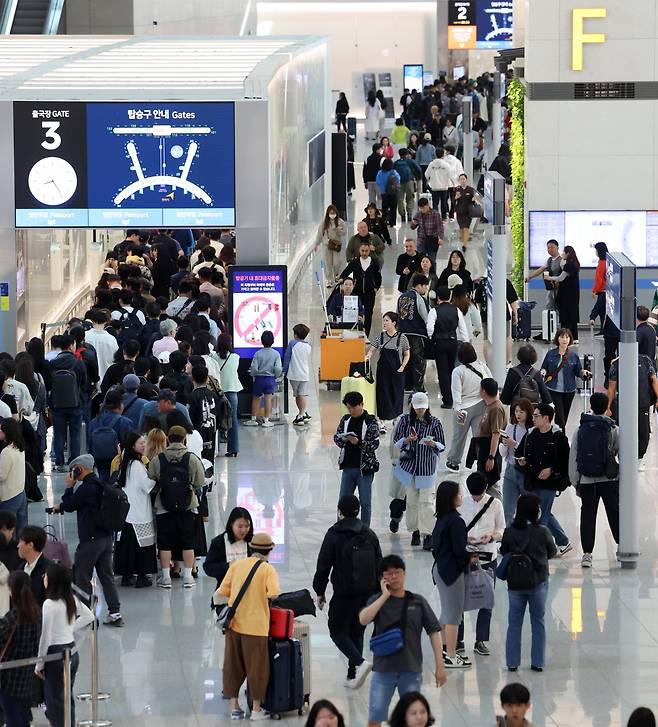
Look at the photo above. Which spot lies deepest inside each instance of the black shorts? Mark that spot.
(176, 530)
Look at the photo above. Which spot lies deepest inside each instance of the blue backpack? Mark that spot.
(105, 441)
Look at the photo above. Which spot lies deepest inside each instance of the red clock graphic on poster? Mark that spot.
(254, 315)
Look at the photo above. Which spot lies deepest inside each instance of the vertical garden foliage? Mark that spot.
(515, 101)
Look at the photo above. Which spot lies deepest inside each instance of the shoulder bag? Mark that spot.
(225, 613)
(391, 641)
(563, 363)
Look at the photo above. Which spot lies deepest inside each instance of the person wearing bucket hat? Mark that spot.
(420, 439)
(246, 652)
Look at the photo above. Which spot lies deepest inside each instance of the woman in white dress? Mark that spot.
(373, 110)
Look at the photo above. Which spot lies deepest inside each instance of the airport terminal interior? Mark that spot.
(186, 186)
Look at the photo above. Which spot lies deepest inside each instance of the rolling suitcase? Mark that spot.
(285, 689)
(548, 325)
(302, 632)
(364, 387)
(523, 331)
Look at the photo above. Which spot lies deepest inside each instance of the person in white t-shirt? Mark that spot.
(104, 343)
(296, 366)
(482, 533)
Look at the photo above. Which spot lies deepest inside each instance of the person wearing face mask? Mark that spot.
(331, 233)
(363, 235)
(485, 524)
(376, 224)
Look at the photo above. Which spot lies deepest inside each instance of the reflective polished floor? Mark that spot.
(164, 666)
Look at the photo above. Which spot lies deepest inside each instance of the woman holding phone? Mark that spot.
(513, 482)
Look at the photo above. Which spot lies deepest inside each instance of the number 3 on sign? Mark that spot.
(53, 139)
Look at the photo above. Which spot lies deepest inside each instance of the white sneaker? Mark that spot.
(564, 549)
(456, 662)
(164, 581)
(267, 423)
(641, 467)
(349, 683)
(586, 561)
(259, 716)
(250, 423)
(189, 582)
(362, 671)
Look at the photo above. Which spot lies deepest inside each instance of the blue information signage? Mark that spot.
(620, 287)
(161, 165)
(495, 24)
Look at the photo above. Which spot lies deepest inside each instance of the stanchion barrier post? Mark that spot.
(66, 675)
(94, 696)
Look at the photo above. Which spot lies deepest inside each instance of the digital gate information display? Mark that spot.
(124, 164)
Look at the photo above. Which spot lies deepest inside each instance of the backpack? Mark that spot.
(175, 490)
(593, 455)
(359, 564)
(113, 508)
(527, 388)
(64, 390)
(521, 574)
(224, 408)
(131, 326)
(105, 441)
(392, 184)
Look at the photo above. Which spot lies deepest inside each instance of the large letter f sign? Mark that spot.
(580, 37)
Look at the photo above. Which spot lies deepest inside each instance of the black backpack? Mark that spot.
(64, 390)
(175, 490)
(131, 326)
(521, 573)
(359, 563)
(593, 456)
(527, 388)
(113, 508)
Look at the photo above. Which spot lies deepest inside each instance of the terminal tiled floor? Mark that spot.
(164, 667)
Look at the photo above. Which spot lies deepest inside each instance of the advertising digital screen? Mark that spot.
(266, 503)
(480, 24)
(316, 158)
(124, 164)
(620, 287)
(257, 303)
(635, 233)
(413, 77)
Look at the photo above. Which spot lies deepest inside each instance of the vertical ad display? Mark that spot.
(413, 77)
(258, 302)
(480, 24)
(50, 164)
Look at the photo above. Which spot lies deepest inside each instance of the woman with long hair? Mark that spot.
(412, 710)
(230, 545)
(567, 299)
(61, 616)
(526, 535)
(323, 713)
(231, 386)
(449, 540)
(37, 350)
(156, 443)
(135, 550)
(342, 109)
(462, 300)
(376, 223)
(26, 374)
(382, 111)
(598, 289)
(457, 266)
(426, 268)
(514, 480)
(330, 236)
(12, 471)
(373, 108)
(20, 630)
(163, 269)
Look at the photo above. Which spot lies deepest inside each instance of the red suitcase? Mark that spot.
(281, 623)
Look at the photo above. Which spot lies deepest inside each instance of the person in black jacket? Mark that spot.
(184, 385)
(511, 393)
(407, 264)
(543, 457)
(230, 545)
(151, 329)
(353, 581)
(95, 547)
(367, 277)
(370, 169)
(124, 363)
(31, 542)
(451, 558)
(376, 223)
(203, 411)
(342, 109)
(526, 535)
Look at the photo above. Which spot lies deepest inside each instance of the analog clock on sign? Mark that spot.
(52, 181)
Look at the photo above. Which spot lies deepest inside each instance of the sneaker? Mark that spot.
(298, 421)
(164, 582)
(143, 582)
(362, 671)
(460, 648)
(394, 525)
(250, 423)
(415, 538)
(267, 423)
(452, 466)
(349, 683)
(189, 582)
(427, 542)
(456, 662)
(512, 668)
(481, 648)
(537, 668)
(114, 619)
(446, 406)
(564, 549)
(306, 416)
(382, 429)
(586, 561)
(259, 716)
(237, 714)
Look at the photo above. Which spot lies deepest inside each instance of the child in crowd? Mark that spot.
(265, 369)
(296, 366)
(515, 700)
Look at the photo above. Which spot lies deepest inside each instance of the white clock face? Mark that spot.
(52, 181)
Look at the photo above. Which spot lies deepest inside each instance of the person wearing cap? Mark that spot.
(100, 442)
(95, 546)
(419, 437)
(176, 530)
(128, 353)
(429, 224)
(158, 410)
(456, 266)
(133, 404)
(246, 653)
(353, 582)
(168, 342)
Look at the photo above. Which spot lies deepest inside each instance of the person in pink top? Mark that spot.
(167, 343)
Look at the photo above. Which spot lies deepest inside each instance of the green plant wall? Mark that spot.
(515, 102)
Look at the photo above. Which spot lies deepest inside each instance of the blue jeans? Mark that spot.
(233, 445)
(549, 520)
(66, 420)
(513, 486)
(382, 688)
(17, 505)
(350, 480)
(17, 711)
(535, 598)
